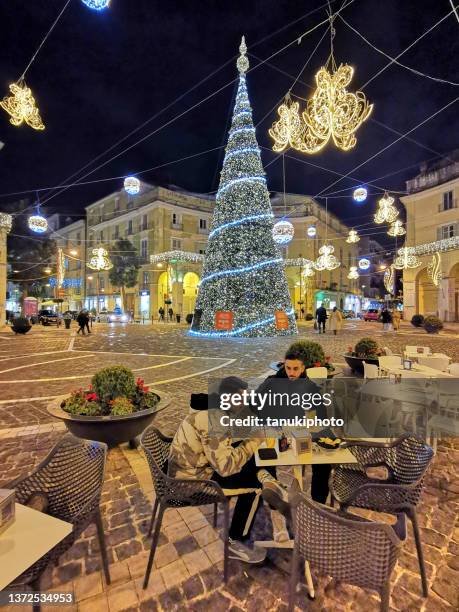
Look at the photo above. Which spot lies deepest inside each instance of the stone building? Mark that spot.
(433, 235)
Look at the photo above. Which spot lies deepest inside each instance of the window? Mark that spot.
(117, 204)
(144, 222)
(78, 265)
(202, 251)
(78, 238)
(447, 231)
(130, 226)
(101, 282)
(448, 202)
(117, 232)
(174, 218)
(146, 279)
(349, 259)
(176, 244)
(144, 248)
(202, 223)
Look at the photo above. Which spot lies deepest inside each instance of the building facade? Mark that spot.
(71, 240)
(433, 235)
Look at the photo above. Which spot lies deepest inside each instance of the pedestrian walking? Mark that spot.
(321, 317)
(81, 320)
(386, 319)
(161, 313)
(170, 312)
(86, 320)
(336, 320)
(396, 319)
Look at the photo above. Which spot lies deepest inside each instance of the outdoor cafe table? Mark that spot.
(414, 355)
(29, 538)
(297, 462)
(421, 371)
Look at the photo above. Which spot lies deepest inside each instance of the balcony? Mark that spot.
(177, 226)
(441, 207)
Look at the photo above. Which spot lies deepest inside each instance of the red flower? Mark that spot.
(92, 397)
(145, 389)
(327, 358)
(317, 364)
(139, 382)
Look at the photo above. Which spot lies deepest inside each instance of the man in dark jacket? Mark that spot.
(321, 317)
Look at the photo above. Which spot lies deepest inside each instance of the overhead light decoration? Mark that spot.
(311, 231)
(288, 130)
(187, 256)
(364, 263)
(387, 212)
(360, 194)
(353, 273)
(353, 237)
(100, 260)
(96, 5)
(283, 232)
(326, 259)
(434, 269)
(6, 222)
(131, 185)
(396, 229)
(60, 268)
(21, 106)
(37, 223)
(308, 270)
(406, 259)
(389, 279)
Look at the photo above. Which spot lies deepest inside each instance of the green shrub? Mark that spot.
(417, 320)
(112, 382)
(366, 347)
(149, 400)
(432, 324)
(311, 352)
(78, 404)
(121, 406)
(309, 316)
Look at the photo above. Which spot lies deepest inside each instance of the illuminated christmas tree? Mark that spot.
(243, 290)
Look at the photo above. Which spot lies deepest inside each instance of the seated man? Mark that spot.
(195, 453)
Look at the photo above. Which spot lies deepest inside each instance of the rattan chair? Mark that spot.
(345, 546)
(177, 493)
(71, 478)
(406, 460)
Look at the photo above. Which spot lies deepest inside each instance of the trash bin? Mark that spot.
(177, 317)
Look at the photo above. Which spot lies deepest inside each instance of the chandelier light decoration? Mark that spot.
(387, 212)
(360, 194)
(100, 260)
(326, 259)
(406, 259)
(283, 232)
(396, 229)
(389, 279)
(353, 237)
(434, 269)
(308, 270)
(131, 185)
(96, 5)
(21, 107)
(288, 130)
(353, 273)
(37, 223)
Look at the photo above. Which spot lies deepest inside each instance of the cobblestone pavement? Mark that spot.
(187, 573)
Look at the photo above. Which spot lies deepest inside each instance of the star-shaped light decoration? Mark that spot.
(353, 237)
(406, 259)
(100, 260)
(326, 259)
(386, 213)
(21, 106)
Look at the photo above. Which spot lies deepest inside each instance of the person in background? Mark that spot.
(321, 317)
(396, 319)
(81, 320)
(86, 320)
(170, 312)
(386, 319)
(336, 320)
(161, 313)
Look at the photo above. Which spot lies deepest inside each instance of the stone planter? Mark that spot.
(21, 326)
(356, 363)
(112, 430)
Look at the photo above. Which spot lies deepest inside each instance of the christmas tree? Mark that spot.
(243, 278)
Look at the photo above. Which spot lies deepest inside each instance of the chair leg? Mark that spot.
(385, 597)
(153, 516)
(154, 543)
(417, 539)
(103, 549)
(293, 579)
(215, 514)
(225, 541)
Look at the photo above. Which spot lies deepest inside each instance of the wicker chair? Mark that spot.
(345, 546)
(71, 477)
(177, 493)
(406, 460)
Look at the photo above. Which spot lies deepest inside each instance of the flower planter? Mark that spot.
(112, 430)
(67, 323)
(356, 363)
(21, 326)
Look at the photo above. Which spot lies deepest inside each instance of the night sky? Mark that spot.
(100, 75)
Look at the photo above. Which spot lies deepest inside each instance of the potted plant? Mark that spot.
(115, 408)
(366, 349)
(21, 325)
(67, 319)
(432, 324)
(313, 355)
(417, 320)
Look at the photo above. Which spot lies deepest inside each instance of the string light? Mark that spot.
(6, 222)
(353, 237)
(308, 270)
(360, 194)
(387, 212)
(283, 232)
(21, 106)
(96, 5)
(364, 263)
(353, 273)
(396, 229)
(237, 271)
(239, 222)
(239, 180)
(406, 259)
(100, 260)
(60, 268)
(389, 279)
(187, 256)
(131, 185)
(428, 248)
(434, 269)
(240, 330)
(326, 259)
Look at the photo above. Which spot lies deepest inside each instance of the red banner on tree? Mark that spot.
(224, 320)
(281, 319)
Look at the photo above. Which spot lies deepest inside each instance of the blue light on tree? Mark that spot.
(96, 5)
(360, 194)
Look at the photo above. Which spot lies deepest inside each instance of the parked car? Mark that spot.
(372, 314)
(47, 317)
(112, 316)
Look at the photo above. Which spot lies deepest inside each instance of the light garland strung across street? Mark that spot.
(434, 269)
(386, 213)
(353, 273)
(428, 248)
(353, 237)
(60, 268)
(326, 259)
(21, 106)
(396, 229)
(6, 222)
(100, 260)
(131, 185)
(187, 256)
(406, 260)
(283, 232)
(389, 279)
